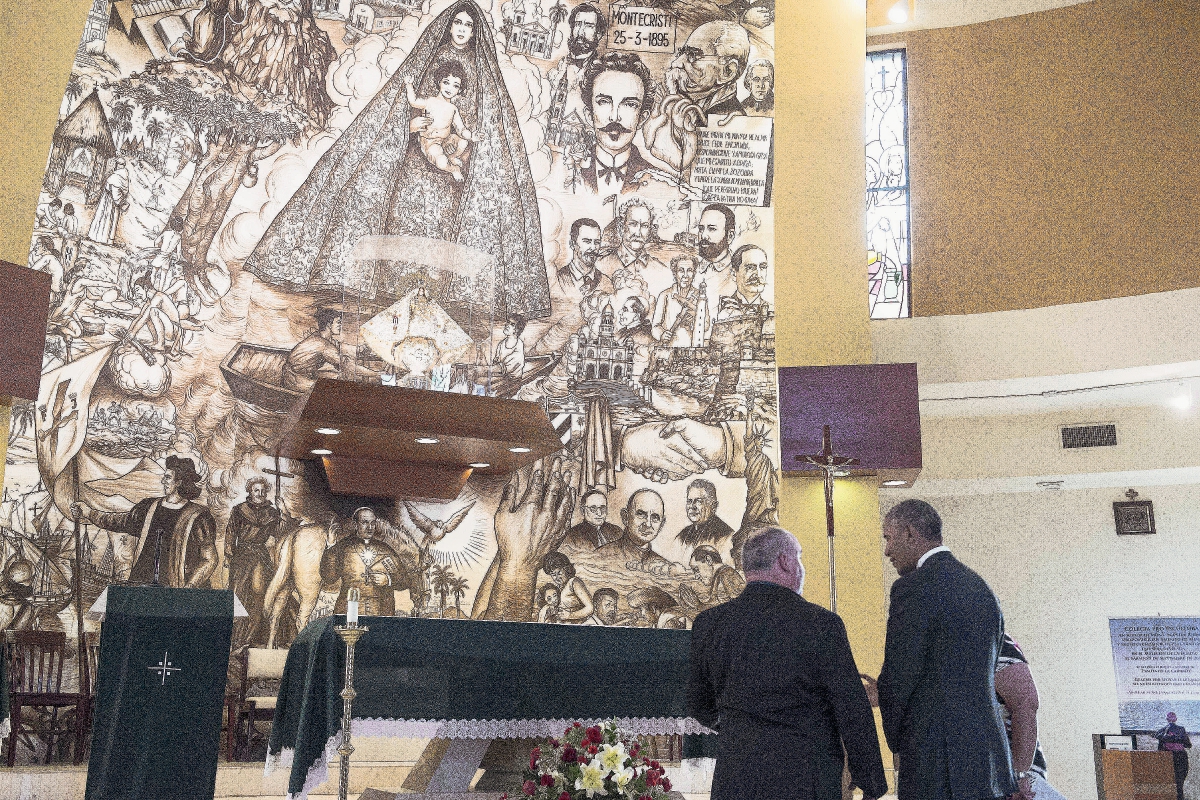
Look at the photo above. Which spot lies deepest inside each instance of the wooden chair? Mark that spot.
(91, 670)
(35, 663)
(261, 671)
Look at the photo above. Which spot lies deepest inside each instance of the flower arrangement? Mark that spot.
(597, 762)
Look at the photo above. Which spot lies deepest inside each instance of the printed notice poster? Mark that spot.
(1157, 661)
(642, 30)
(734, 162)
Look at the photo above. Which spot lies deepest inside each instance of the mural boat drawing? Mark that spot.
(499, 384)
(254, 373)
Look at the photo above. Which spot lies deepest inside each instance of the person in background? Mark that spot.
(1174, 739)
(1018, 697)
(605, 600)
(575, 601)
(548, 604)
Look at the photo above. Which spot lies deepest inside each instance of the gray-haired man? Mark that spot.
(774, 674)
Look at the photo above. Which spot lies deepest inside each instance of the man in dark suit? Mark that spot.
(937, 691)
(595, 530)
(774, 675)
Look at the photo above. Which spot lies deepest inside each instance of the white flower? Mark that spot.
(623, 777)
(612, 756)
(591, 780)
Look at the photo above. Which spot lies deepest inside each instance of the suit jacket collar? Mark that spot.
(937, 551)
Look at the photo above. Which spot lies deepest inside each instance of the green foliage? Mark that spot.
(206, 105)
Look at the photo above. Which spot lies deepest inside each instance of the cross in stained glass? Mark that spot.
(888, 222)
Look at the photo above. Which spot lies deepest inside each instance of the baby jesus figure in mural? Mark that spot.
(445, 138)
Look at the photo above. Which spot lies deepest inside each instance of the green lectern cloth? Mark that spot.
(164, 654)
(433, 678)
(5, 720)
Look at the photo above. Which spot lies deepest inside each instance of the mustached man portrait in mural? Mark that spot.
(503, 197)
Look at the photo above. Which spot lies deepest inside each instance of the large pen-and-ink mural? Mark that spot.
(568, 204)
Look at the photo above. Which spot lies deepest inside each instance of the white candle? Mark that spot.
(352, 613)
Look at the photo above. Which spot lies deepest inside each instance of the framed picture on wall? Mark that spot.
(1134, 518)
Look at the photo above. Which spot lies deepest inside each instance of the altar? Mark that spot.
(474, 680)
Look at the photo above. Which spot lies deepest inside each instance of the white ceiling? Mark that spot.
(949, 13)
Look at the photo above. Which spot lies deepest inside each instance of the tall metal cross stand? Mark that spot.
(829, 463)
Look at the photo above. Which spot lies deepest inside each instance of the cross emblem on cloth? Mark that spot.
(164, 668)
(369, 557)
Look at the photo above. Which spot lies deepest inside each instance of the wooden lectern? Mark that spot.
(1133, 774)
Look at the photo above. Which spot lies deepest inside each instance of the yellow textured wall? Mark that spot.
(36, 50)
(821, 280)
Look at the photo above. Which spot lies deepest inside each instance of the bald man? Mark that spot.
(643, 517)
(706, 69)
(773, 674)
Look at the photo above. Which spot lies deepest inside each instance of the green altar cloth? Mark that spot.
(468, 679)
(164, 655)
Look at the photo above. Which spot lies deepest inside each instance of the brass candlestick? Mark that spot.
(350, 634)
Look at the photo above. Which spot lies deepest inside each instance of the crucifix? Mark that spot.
(830, 464)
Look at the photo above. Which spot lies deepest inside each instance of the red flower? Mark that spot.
(554, 743)
(577, 725)
(666, 784)
(592, 749)
(547, 780)
(529, 787)
(643, 797)
(567, 732)
(652, 778)
(595, 735)
(569, 755)
(655, 765)
(564, 796)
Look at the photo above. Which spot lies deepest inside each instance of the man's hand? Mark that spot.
(379, 579)
(673, 450)
(80, 512)
(529, 524)
(1024, 791)
(530, 527)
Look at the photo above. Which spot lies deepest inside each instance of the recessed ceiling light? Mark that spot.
(895, 483)
(426, 440)
(899, 12)
(328, 431)
(520, 450)
(321, 451)
(479, 465)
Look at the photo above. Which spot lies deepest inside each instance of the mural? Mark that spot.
(563, 204)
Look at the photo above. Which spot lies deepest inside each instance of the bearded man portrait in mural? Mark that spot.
(375, 181)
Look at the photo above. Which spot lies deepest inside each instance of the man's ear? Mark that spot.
(730, 69)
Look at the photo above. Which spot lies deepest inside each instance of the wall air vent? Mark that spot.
(1076, 436)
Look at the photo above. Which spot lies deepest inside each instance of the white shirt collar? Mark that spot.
(921, 561)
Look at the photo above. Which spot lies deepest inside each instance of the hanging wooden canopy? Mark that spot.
(413, 443)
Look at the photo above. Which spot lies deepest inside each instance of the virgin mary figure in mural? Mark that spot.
(376, 181)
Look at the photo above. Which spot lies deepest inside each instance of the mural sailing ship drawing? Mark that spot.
(565, 204)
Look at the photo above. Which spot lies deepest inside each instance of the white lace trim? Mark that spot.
(318, 773)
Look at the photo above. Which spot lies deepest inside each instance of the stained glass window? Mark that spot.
(888, 220)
